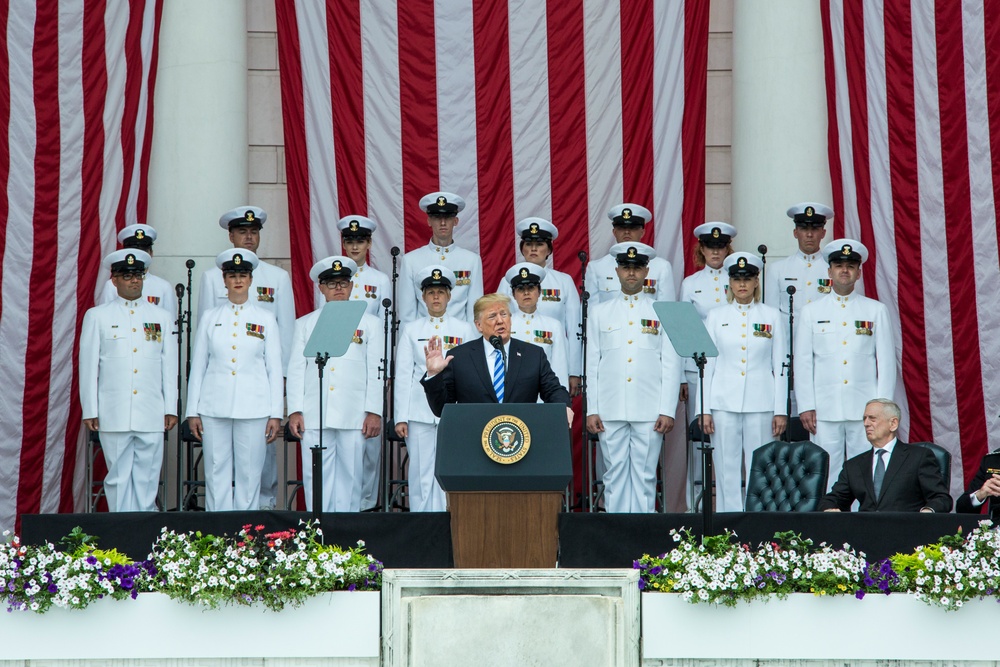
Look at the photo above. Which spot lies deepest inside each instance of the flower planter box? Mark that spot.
(330, 625)
(804, 626)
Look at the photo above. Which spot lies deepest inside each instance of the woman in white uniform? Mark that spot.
(235, 389)
(744, 386)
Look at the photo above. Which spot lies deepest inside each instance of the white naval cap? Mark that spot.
(715, 234)
(742, 264)
(243, 216)
(842, 250)
(127, 260)
(138, 235)
(444, 204)
(536, 229)
(632, 252)
(356, 226)
(629, 215)
(236, 260)
(524, 273)
(335, 266)
(810, 214)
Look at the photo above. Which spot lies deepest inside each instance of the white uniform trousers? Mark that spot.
(630, 451)
(426, 495)
(834, 437)
(736, 435)
(269, 478)
(372, 462)
(134, 461)
(234, 456)
(343, 454)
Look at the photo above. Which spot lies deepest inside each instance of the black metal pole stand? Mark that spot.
(317, 450)
(707, 501)
(386, 407)
(790, 365)
(179, 290)
(587, 499)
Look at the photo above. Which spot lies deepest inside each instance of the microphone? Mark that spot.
(790, 289)
(496, 342)
(394, 251)
(189, 263)
(179, 290)
(762, 249)
(582, 255)
(386, 303)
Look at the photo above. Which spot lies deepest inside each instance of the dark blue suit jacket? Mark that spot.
(468, 379)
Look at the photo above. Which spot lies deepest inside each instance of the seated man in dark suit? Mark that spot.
(492, 368)
(983, 488)
(893, 476)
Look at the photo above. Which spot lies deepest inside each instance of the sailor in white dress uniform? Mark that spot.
(529, 325)
(745, 390)
(844, 357)
(155, 289)
(371, 286)
(352, 395)
(414, 420)
(635, 377)
(128, 383)
(628, 225)
(235, 389)
(706, 289)
(442, 210)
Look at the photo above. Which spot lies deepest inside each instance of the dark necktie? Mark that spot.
(879, 473)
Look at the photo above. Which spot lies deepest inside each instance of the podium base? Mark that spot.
(505, 529)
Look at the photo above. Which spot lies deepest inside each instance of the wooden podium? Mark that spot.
(504, 512)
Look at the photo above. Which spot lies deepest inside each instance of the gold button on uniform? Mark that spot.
(135, 370)
(234, 360)
(629, 380)
(234, 372)
(845, 381)
(135, 391)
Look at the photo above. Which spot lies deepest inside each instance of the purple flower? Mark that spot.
(656, 570)
(53, 589)
(637, 565)
(92, 559)
(373, 567)
(642, 584)
(859, 594)
(352, 587)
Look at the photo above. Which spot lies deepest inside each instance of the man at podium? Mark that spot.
(492, 368)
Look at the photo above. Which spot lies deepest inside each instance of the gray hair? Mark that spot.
(889, 408)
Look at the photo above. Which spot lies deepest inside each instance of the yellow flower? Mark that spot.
(842, 587)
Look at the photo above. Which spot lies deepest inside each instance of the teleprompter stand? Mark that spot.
(504, 515)
(690, 339)
(331, 337)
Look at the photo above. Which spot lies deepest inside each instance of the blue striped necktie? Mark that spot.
(498, 375)
(879, 473)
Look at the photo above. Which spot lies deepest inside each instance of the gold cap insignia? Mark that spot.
(846, 250)
(249, 216)
(441, 201)
(436, 274)
(130, 259)
(237, 259)
(742, 262)
(354, 225)
(626, 213)
(524, 273)
(716, 232)
(631, 254)
(337, 266)
(810, 211)
(139, 234)
(533, 228)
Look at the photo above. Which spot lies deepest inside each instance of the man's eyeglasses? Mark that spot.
(336, 284)
(131, 276)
